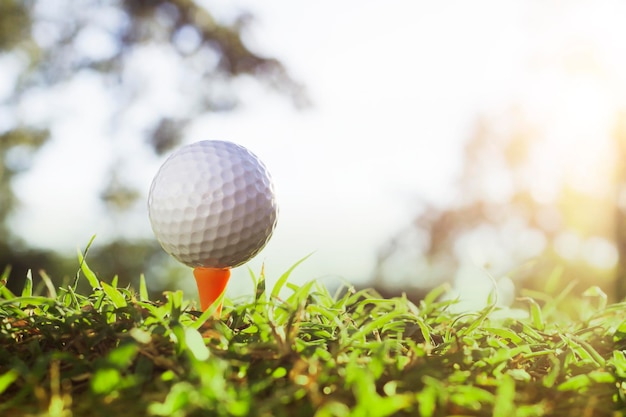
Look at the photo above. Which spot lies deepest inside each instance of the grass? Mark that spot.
(113, 352)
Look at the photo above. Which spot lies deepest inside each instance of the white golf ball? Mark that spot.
(212, 204)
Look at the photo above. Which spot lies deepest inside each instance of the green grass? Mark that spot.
(113, 352)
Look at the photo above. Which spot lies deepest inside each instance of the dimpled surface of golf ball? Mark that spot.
(212, 204)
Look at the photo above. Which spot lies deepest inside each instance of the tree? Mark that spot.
(510, 222)
(619, 215)
(543, 180)
(51, 44)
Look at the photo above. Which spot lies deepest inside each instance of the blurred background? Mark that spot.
(411, 142)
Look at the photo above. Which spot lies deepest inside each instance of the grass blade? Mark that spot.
(52, 292)
(143, 289)
(89, 274)
(114, 295)
(374, 324)
(505, 334)
(208, 313)
(284, 277)
(504, 405)
(91, 277)
(535, 313)
(252, 277)
(27, 291)
(596, 292)
(6, 293)
(7, 379)
(33, 300)
(5, 273)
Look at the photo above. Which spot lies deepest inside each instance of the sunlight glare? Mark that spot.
(575, 150)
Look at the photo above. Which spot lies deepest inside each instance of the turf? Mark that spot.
(113, 352)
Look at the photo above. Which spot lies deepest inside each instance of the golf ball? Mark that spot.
(212, 204)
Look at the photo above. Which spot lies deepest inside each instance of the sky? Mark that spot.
(396, 89)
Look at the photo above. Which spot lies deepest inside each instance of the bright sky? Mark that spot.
(396, 87)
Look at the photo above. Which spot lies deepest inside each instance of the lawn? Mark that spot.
(114, 352)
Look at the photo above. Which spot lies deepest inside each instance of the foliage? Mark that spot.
(46, 46)
(112, 351)
(502, 220)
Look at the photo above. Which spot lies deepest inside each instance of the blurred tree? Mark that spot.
(50, 43)
(619, 209)
(511, 221)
